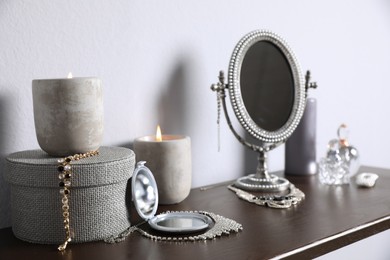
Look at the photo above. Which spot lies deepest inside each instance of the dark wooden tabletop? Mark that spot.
(330, 217)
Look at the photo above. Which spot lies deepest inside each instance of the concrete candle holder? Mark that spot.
(68, 115)
(170, 162)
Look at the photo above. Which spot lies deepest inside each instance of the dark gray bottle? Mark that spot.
(300, 148)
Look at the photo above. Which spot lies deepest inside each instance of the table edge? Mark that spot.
(295, 252)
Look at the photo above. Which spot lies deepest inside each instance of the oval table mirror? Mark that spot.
(268, 97)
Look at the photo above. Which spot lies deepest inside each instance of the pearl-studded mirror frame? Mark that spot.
(234, 86)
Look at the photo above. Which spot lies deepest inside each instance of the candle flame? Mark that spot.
(158, 134)
(70, 75)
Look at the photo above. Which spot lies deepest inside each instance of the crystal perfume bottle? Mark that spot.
(341, 161)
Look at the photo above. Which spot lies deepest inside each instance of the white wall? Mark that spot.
(157, 60)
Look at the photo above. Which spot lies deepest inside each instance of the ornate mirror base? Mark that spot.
(254, 182)
(293, 197)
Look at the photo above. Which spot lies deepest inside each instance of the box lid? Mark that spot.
(37, 169)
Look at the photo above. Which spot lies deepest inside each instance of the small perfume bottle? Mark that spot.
(348, 153)
(341, 161)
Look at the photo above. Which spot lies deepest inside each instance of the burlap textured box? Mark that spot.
(97, 199)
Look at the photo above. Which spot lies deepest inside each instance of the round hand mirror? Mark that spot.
(145, 198)
(268, 98)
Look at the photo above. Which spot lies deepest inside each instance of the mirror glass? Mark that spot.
(145, 194)
(144, 191)
(180, 222)
(267, 85)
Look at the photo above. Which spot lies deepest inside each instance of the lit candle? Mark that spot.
(158, 134)
(68, 114)
(169, 159)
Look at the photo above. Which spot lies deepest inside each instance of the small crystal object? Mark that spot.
(366, 179)
(341, 161)
(333, 172)
(67, 167)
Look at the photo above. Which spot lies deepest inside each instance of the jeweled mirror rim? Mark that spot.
(235, 88)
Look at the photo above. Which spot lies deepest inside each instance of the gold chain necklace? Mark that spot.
(65, 169)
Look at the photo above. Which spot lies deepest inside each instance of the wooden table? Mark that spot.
(329, 218)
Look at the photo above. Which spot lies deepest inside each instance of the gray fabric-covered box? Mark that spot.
(97, 199)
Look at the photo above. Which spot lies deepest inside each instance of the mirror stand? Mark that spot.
(261, 181)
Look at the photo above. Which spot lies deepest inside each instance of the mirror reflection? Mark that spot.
(181, 222)
(267, 85)
(145, 194)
